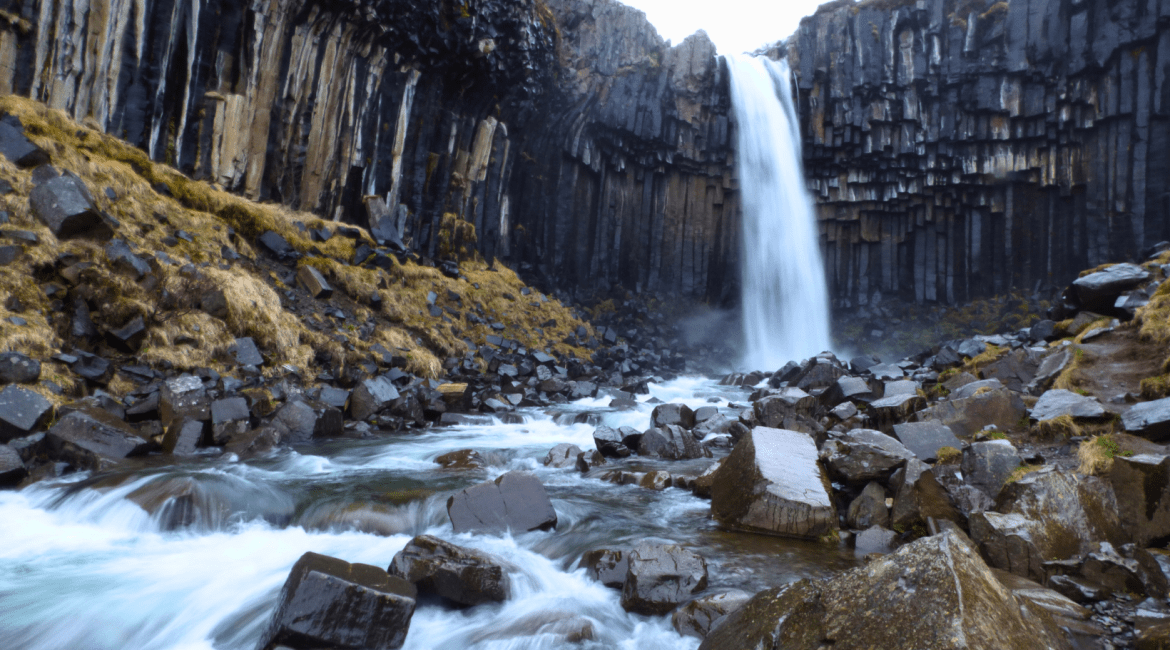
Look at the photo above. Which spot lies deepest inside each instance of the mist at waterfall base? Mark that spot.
(105, 562)
(785, 299)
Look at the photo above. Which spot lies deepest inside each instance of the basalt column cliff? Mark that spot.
(567, 133)
(963, 148)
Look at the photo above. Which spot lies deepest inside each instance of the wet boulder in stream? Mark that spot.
(461, 575)
(607, 566)
(661, 576)
(697, 617)
(93, 439)
(676, 414)
(609, 442)
(772, 483)
(671, 442)
(329, 603)
(515, 501)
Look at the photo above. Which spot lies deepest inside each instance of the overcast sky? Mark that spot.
(734, 25)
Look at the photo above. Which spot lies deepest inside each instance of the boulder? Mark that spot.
(1058, 402)
(1075, 621)
(515, 501)
(1011, 542)
(21, 412)
(229, 418)
(1142, 486)
(609, 443)
(461, 459)
(16, 147)
(16, 368)
(12, 469)
(1106, 568)
(461, 575)
(607, 566)
(183, 397)
(245, 352)
(63, 204)
(562, 455)
(311, 280)
(1014, 370)
(697, 617)
(847, 388)
(920, 497)
(1100, 290)
(772, 483)
(901, 387)
(969, 390)
(888, 411)
(370, 397)
(302, 421)
(933, 593)
(676, 414)
(869, 508)
(1074, 511)
(671, 442)
(1050, 368)
(966, 417)
(329, 603)
(1149, 419)
(863, 455)
(92, 439)
(277, 246)
(660, 577)
(874, 539)
(924, 439)
(183, 437)
(986, 465)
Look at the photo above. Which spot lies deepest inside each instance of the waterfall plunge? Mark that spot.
(785, 300)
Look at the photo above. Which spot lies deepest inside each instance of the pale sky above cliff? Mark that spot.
(733, 25)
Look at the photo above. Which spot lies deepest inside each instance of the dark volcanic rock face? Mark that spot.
(959, 149)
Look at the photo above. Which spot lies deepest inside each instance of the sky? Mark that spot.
(734, 25)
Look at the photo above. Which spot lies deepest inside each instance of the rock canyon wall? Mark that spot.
(956, 148)
(568, 133)
(960, 148)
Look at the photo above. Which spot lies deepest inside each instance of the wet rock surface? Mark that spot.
(461, 575)
(661, 576)
(515, 501)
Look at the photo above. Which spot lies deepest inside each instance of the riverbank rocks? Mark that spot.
(515, 501)
(1149, 419)
(933, 593)
(772, 483)
(676, 414)
(329, 603)
(92, 439)
(562, 455)
(12, 469)
(697, 617)
(21, 412)
(371, 397)
(1058, 402)
(661, 576)
(924, 439)
(461, 575)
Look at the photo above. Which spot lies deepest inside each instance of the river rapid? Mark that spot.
(115, 562)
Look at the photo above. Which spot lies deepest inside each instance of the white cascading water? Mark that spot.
(785, 300)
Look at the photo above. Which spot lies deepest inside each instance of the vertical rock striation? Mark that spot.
(566, 132)
(959, 148)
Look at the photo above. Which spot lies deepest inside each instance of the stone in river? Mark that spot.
(462, 575)
(607, 566)
(660, 577)
(697, 617)
(329, 603)
(772, 483)
(515, 501)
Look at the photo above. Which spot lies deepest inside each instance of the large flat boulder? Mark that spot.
(659, 577)
(987, 465)
(968, 416)
(515, 501)
(21, 412)
(461, 575)
(1149, 419)
(863, 455)
(888, 411)
(1059, 402)
(329, 603)
(1100, 290)
(772, 483)
(93, 439)
(924, 439)
(934, 593)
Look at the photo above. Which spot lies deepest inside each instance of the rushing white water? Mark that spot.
(96, 562)
(785, 300)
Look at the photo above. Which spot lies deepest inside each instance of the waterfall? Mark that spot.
(785, 300)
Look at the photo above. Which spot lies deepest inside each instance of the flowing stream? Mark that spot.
(785, 299)
(192, 555)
